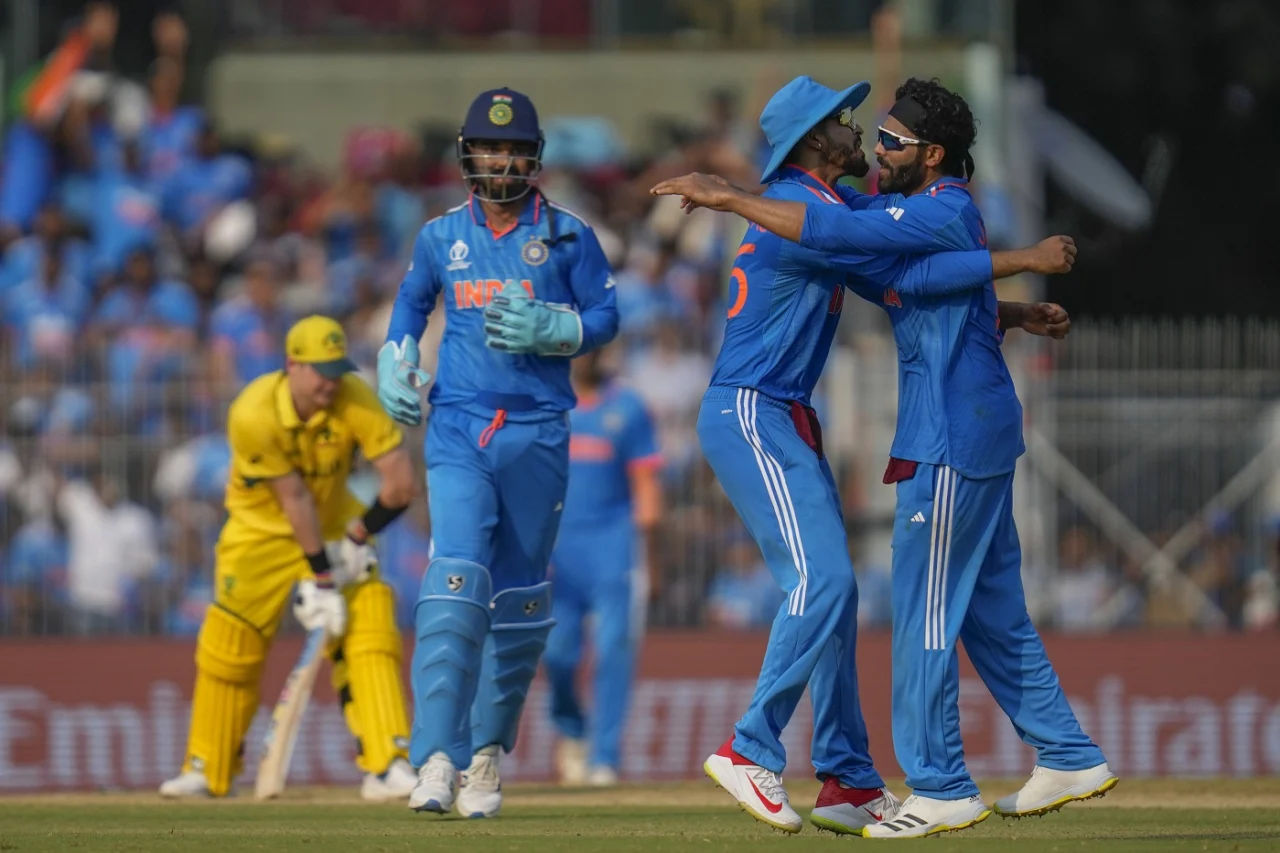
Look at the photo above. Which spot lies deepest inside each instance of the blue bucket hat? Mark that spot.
(796, 109)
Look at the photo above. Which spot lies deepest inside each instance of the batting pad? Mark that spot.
(366, 676)
(521, 622)
(452, 621)
(229, 657)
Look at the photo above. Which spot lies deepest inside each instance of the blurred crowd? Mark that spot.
(151, 266)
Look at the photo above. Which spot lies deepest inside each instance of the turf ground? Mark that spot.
(1228, 815)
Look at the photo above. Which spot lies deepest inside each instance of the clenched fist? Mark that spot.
(1053, 255)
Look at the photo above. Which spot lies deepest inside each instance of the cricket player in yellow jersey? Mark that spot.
(293, 436)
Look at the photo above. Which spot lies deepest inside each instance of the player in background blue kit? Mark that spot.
(763, 441)
(526, 287)
(609, 521)
(956, 558)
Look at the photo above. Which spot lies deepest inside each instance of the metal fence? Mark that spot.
(1148, 495)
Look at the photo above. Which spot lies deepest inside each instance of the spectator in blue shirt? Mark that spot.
(24, 257)
(203, 184)
(248, 330)
(149, 328)
(169, 138)
(46, 311)
(127, 215)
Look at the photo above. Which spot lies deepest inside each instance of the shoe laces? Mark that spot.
(437, 770)
(891, 805)
(482, 775)
(768, 783)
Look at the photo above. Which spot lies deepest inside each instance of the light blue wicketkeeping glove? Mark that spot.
(399, 379)
(515, 322)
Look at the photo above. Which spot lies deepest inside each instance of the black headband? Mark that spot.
(911, 113)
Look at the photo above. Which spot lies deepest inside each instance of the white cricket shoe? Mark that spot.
(1049, 790)
(846, 810)
(602, 777)
(571, 760)
(192, 783)
(758, 791)
(481, 791)
(437, 786)
(920, 816)
(395, 784)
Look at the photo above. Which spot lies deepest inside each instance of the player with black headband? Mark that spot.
(956, 556)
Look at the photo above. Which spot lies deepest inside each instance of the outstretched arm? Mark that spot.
(837, 230)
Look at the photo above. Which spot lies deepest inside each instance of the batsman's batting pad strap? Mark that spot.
(911, 113)
(451, 620)
(229, 648)
(371, 622)
(521, 624)
(378, 516)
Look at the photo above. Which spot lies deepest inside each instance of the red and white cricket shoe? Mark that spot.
(758, 791)
(846, 810)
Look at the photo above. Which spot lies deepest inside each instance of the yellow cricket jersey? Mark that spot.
(268, 440)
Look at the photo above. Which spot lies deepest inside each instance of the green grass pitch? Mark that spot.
(1227, 815)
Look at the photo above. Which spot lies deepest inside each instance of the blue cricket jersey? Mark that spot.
(553, 254)
(610, 436)
(956, 402)
(788, 297)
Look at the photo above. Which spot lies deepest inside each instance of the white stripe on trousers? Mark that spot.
(775, 485)
(935, 602)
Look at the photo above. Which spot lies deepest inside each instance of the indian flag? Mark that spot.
(502, 99)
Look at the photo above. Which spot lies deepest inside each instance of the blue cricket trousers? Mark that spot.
(787, 498)
(957, 575)
(496, 495)
(496, 489)
(592, 569)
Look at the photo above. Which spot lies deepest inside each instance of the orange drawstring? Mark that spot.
(494, 425)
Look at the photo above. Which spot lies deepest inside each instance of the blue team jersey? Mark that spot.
(609, 436)
(788, 298)
(168, 141)
(956, 401)
(254, 339)
(202, 186)
(553, 254)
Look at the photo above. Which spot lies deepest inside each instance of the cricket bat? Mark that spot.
(286, 718)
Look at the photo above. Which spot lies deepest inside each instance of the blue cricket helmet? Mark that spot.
(500, 115)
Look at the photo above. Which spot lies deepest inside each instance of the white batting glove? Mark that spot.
(317, 606)
(352, 561)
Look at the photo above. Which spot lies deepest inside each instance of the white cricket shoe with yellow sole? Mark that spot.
(758, 791)
(920, 816)
(1049, 790)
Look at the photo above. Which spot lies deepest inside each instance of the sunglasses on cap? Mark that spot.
(896, 141)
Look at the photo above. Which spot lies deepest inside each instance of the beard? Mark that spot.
(902, 179)
(850, 160)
